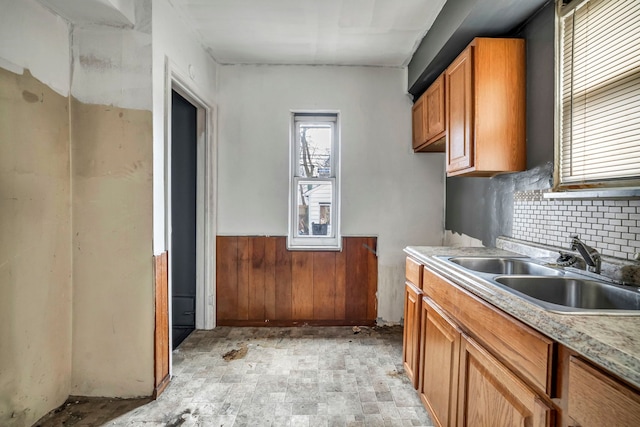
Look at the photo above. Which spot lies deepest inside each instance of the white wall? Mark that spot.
(175, 41)
(387, 190)
(112, 66)
(31, 37)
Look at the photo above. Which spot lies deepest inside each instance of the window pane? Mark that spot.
(314, 208)
(315, 140)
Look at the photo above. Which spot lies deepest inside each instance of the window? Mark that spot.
(314, 211)
(599, 88)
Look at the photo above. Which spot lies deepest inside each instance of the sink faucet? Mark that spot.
(591, 255)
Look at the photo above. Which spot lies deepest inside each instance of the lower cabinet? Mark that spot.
(462, 384)
(411, 334)
(476, 366)
(439, 360)
(491, 395)
(590, 390)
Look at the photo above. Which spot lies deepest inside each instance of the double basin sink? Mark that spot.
(552, 289)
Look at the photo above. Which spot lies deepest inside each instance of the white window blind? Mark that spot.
(600, 92)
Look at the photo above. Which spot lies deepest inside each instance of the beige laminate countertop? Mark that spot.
(612, 342)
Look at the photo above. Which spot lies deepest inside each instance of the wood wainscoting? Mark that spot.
(161, 338)
(261, 283)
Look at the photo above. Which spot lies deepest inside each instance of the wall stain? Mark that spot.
(30, 96)
(92, 61)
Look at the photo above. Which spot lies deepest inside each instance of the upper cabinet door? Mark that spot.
(429, 123)
(418, 123)
(435, 118)
(459, 99)
(486, 116)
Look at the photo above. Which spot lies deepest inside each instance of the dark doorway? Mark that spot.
(183, 216)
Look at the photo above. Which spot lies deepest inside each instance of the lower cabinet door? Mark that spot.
(596, 399)
(439, 360)
(411, 334)
(491, 395)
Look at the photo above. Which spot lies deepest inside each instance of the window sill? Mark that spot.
(314, 244)
(609, 193)
(314, 248)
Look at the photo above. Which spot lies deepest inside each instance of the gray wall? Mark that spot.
(457, 24)
(483, 207)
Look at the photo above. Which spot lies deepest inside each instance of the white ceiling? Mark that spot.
(336, 32)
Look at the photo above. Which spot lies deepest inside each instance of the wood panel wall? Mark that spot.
(260, 282)
(161, 353)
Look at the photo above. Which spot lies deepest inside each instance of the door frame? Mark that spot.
(206, 197)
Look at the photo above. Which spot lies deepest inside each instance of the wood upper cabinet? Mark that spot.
(439, 359)
(429, 119)
(485, 103)
(417, 119)
(491, 395)
(597, 399)
(411, 333)
(435, 124)
(460, 111)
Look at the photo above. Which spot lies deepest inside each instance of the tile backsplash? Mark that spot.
(610, 226)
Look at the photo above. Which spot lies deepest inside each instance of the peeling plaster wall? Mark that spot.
(76, 313)
(457, 239)
(112, 158)
(173, 41)
(112, 268)
(35, 251)
(35, 261)
(35, 222)
(387, 190)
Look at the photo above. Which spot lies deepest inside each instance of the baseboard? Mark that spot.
(299, 323)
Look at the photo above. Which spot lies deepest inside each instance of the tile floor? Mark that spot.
(305, 376)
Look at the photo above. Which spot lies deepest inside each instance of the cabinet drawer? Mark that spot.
(524, 350)
(596, 399)
(414, 272)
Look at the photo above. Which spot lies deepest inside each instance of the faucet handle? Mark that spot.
(566, 260)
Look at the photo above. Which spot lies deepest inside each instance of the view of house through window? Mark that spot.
(314, 181)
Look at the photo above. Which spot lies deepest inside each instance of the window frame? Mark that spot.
(314, 242)
(612, 185)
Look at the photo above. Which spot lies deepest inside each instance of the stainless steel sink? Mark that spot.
(496, 265)
(574, 294)
(553, 289)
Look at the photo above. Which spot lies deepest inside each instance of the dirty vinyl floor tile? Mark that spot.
(304, 376)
